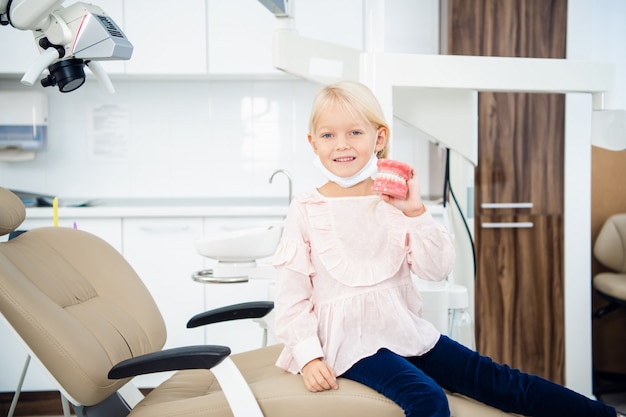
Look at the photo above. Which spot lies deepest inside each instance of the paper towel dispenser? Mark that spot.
(23, 124)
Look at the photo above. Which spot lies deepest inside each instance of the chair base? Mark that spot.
(608, 382)
(113, 406)
(603, 311)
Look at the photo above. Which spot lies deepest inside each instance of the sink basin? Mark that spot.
(241, 246)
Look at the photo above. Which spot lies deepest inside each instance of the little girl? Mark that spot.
(345, 303)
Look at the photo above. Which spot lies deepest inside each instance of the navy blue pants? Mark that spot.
(416, 383)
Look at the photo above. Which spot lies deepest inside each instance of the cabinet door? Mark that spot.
(240, 32)
(519, 308)
(519, 205)
(167, 38)
(240, 335)
(161, 251)
(412, 26)
(14, 354)
(240, 36)
(109, 229)
(520, 153)
(339, 22)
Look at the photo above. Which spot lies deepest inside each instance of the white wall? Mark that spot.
(180, 138)
(595, 32)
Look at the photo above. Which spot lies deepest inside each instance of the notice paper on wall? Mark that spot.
(109, 137)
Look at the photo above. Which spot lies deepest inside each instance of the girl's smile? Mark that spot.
(345, 160)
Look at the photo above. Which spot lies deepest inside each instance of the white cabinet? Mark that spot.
(338, 22)
(14, 354)
(234, 37)
(240, 32)
(161, 252)
(168, 37)
(239, 335)
(412, 27)
(240, 36)
(109, 229)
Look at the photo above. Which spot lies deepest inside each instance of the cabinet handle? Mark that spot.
(206, 276)
(507, 225)
(164, 229)
(506, 205)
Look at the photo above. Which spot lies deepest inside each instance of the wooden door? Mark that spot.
(520, 152)
(518, 188)
(519, 309)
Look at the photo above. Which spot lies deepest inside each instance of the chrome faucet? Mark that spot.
(286, 173)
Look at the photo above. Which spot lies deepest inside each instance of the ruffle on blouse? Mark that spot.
(293, 255)
(358, 263)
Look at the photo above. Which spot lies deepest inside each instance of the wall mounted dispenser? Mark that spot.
(23, 124)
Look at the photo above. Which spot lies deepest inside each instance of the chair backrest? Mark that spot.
(76, 303)
(610, 246)
(12, 212)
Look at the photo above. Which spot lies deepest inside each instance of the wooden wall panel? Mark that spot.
(608, 196)
(515, 28)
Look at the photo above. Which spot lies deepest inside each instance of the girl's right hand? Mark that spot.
(413, 205)
(318, 376)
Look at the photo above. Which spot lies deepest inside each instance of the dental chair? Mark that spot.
(610, 250)
(87, 318)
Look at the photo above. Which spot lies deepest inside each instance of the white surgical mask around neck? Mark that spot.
(369, 170)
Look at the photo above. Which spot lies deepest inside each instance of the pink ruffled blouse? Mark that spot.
(344, 288)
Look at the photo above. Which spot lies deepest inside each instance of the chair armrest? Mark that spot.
(188, 357)
(249, 310)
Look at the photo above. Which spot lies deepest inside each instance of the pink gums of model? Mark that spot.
(391, 178)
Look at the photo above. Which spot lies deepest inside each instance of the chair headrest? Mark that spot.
(12, 211)
(610, 245)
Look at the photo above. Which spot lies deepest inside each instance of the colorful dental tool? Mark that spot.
(55, 211)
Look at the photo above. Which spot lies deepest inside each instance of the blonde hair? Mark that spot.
(356, 99)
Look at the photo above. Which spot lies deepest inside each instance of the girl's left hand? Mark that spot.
(413, 205)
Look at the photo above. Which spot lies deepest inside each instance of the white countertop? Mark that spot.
(145, 208)
(226, 207)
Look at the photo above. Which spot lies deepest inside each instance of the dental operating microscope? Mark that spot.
(69, 38)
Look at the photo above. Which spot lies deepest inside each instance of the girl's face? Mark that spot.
(345, 142)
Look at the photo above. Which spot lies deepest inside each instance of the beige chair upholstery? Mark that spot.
(610, 250)
(80, 309)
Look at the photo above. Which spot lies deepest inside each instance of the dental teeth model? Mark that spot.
(391, 178)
